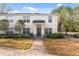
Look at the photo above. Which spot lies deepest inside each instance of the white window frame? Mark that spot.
(50, 19)
(10, 18)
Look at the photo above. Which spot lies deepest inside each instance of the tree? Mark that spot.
(19, 26)
(65, 12)
(68, 25)
(76, 17)
(76, 10)
(77, 26)
(4, 8)
(4, 23)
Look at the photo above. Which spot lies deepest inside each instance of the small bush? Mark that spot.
(31, 35)
(15, 36)
(55, 35)
(76, 35)
(9, 35)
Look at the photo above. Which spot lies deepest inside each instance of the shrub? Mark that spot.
(76, 35)
(31, 35)
(9, 35)
(15, 36)
(55, 35)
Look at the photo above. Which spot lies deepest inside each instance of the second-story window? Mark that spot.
(49, 19)
(10, 18)
(26, 18)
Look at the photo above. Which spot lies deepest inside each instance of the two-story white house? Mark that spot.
(37, 23)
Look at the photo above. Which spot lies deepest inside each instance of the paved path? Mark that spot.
(36, 50)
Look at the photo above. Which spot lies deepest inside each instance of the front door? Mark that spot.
(38, 31)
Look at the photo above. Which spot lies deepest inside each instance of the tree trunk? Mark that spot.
(66, 33)
(20, 32)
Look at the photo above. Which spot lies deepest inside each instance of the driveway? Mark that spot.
(36, 50)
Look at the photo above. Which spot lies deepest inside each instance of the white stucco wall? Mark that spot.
(31, 25)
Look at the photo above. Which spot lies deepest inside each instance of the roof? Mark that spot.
(29, 14)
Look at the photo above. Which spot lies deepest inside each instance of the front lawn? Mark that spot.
(62, 47)
(20, 43)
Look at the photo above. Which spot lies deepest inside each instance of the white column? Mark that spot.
(42, 31)
(35, 31)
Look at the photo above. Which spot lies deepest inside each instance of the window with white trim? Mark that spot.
(28, 30)
(24, 31)
(50, 30)
(10, 18)
(49, 19)
(26, 18)
(46, 30)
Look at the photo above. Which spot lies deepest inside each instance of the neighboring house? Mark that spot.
(37, 23)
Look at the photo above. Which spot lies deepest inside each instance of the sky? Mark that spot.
(37, 7)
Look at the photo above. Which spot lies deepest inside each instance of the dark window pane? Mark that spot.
(11, 20)
(28, 30)
(50, 19)
(28, 20)
(7, 32)
(24, 20)
(24, 31)
(11, 32)
(46, 30)
(50, 30)
(38, 21)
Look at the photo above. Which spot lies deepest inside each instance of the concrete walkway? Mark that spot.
(36, 50)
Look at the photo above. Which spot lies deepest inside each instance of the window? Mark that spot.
(28, 30)
(10, 18)
(46, 30)
(24, 31)
(50, 19)
(10, 28)
(26, 18)
(50, 30)
(9, 32)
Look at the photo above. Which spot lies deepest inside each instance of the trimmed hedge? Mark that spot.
(76, 35)
(14, 36)
(55, 35)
